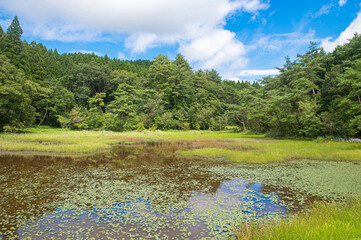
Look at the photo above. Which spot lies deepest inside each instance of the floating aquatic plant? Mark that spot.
(147, 191)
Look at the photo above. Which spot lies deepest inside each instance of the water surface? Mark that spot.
(147, 191)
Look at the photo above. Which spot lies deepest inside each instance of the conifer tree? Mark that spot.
(180, 81)
(13, 46)
(14, 31)
(2, 39)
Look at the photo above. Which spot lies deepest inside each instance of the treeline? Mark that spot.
(316, 95)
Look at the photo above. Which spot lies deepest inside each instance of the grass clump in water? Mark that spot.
(237, 147)
(336, 220)
(265, 150)
(71, 141)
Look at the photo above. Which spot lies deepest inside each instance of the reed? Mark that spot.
(335, 220)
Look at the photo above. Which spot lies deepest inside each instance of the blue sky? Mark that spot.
(241, 39)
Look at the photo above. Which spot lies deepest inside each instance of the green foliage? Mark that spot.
(14, 128)
(14, 31)
(335, 220)
(233, 128)
(124, 107)
(9, 129)
(141, 127)
(186, 126)
(317, 94)
(16, 94)
(64, 121)
(153, 127)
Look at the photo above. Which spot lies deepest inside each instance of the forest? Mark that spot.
(317, 94)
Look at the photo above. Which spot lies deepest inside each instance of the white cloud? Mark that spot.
(283, 42)
(258, 72)
(342, 2)
(121, 56)
(271, 13)
(140, 42)
(219, 49)
(5, 24)
(323, 11)
(160, 17)
(197, 26)
(354, 27)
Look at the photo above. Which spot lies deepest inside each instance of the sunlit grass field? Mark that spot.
(262, 151)
(56, 140)
(336, 220)
(238, 147)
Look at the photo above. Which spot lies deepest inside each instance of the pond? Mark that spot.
(147, 191)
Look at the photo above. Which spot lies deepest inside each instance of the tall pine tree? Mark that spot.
(14, 31)
(13, 46)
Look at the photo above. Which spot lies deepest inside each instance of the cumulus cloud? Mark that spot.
(342, 2)
(161, 17)
(354, 27)
(141, 42)
(197, 26)
(217, 49)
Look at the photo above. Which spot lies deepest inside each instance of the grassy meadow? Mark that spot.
(231, 146)
(56, 140)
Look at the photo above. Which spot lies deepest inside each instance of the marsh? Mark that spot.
(147, 190)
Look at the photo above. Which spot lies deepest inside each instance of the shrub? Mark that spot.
(15, 128)
(186, 126)
(141, 127)
(153, 127)
(233, 128)
(9, 129)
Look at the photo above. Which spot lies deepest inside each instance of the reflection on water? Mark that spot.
(131, 193)
(203, 215)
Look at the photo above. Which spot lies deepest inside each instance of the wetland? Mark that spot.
(146, 190)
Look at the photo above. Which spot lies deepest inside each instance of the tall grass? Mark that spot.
(45, 139)
(336, 220)
(237, 147)
(262, 151)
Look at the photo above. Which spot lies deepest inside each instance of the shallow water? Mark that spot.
(147, 191)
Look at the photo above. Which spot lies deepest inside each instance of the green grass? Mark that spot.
(337, 220)
(263, 150)
(55, 140)
(238, 147)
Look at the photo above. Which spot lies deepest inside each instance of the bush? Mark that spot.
(153, 127)
(9, 129)
(64, 121)
(141, 127)
(186, 126)
(233, 128)
(15, 128)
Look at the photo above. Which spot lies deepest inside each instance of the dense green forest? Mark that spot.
(318, 94)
